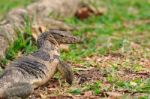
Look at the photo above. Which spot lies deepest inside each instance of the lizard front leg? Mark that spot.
(66, 71)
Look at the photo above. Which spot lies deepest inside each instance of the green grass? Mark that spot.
(6, 5)
(110, 27)
(107, 34)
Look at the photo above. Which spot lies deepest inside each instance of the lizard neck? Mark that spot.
(47, 52)
(47, 44)
(50, 48)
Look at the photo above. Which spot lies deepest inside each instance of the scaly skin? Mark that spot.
(25, 74)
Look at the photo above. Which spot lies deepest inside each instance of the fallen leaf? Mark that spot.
(83, 13)
(114, 94)
(88, 93)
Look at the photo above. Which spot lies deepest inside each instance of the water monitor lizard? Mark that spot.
(26, 73)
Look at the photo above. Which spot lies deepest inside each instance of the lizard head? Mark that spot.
(57, 37)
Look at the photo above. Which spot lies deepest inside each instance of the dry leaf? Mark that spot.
(114, 94)
(88, 93)
(83, 13)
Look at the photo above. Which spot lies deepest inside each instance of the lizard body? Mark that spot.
(26, 73)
